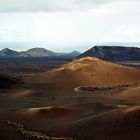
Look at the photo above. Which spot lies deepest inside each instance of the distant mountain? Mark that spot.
(74, 53)
(37, 52)
(8, 53)
(70, 55)
(114, 53)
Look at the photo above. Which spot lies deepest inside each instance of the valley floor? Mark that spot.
(89, 115)
(101, 114)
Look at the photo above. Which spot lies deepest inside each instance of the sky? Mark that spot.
(69, 24)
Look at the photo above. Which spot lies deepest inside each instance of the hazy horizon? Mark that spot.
(66, 48)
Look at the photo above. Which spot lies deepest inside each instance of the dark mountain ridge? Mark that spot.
(114, 53)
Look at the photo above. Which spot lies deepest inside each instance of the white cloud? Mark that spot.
(114, 21)
(50, 5)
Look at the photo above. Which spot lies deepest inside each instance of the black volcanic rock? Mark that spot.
(114, 53)
(7, 81)
(37, 52)
(8, 53)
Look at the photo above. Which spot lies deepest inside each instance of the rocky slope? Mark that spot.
(114, 53)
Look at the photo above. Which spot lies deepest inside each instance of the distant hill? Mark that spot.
(9, 53)
(114, 53)
(74, 53)
(37, 52)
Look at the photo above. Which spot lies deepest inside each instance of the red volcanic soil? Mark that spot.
(103, 114)
(130, 94)
(88, 71)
